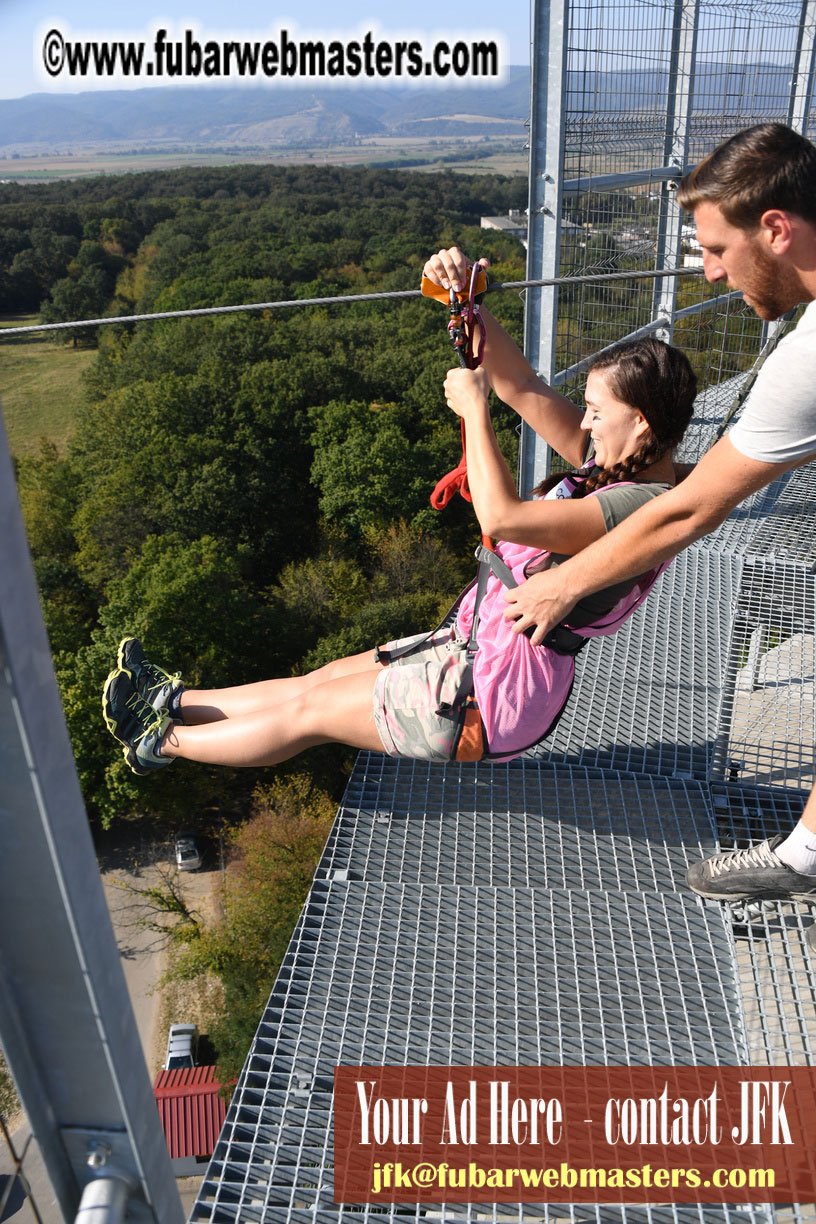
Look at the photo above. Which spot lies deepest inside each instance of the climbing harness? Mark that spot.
(469, 741)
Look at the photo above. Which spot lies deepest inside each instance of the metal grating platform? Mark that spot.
(668, 721)
(422, 974)
(766, 735)
(710, 408)
(789, 533)
(523, 826)
(776, 970)
(778, 521)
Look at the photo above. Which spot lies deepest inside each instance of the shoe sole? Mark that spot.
(130, 756)
(738, 898)
(110, 722)
(121, 652)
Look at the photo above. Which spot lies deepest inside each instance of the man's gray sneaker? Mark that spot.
(155, 685)
(755, 874)
(134, 722)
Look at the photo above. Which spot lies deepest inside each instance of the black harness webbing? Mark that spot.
(489, 562)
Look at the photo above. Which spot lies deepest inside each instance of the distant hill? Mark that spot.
(244, 117)
(291, 118)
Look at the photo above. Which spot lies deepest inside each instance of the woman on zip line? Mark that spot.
(453, 693)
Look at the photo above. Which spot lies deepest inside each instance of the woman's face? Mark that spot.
(617, 430)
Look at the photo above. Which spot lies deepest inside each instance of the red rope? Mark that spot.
(456, 481)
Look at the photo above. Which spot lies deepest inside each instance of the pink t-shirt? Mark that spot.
(519, 687)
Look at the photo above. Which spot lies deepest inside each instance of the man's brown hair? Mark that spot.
(762, 167)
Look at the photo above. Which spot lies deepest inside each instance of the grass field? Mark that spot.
(40, 386)
(506, 157)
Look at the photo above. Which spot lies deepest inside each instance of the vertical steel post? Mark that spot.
(548, 86)
(800, 101)
(66, 1022)
(675, 153)
(801, 96)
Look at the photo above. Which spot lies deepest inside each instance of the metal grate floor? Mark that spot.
(767, 728)
(777, 521)
(401, 957)
(776, 970)
(524, 826)
(424, 974)
(710, 408)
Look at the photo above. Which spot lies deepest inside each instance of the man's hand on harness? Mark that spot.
(540, 603)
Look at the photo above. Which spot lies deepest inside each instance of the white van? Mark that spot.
(182, 1047)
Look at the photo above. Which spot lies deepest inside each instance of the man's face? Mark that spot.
(742, 259)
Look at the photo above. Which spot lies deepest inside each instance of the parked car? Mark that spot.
(182, 1047)
(188, 852)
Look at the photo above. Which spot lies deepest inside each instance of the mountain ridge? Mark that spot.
(294, 115)
(210, 116)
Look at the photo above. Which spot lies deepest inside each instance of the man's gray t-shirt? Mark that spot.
(778, 422)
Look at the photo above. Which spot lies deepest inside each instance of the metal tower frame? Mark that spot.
(551, 189)
(66, 1023)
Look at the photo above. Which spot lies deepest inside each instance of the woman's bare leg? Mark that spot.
(213, 705)
(339, 710)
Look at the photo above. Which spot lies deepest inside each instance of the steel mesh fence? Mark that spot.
(645, 100)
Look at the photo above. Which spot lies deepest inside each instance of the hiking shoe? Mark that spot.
(134, 722)
(754, 874)
(152, 683)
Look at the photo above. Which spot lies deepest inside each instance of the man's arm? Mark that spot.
(662, 528)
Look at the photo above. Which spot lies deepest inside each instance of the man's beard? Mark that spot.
(770, 289)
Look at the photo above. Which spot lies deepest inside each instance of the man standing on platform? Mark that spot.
(754, 204)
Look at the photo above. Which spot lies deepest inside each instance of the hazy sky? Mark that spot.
(24, 23)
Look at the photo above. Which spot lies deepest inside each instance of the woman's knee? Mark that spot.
(338, 668)
(341, 710)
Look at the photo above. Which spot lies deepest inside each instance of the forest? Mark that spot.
(249, 493)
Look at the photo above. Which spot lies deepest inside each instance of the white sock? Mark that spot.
(799, 850)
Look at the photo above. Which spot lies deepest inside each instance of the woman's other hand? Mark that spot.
(466, 391)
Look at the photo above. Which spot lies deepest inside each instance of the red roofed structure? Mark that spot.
(192, 1113)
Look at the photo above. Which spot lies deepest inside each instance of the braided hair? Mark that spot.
(655, 379)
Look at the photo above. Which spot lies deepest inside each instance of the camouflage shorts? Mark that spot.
(409, 694)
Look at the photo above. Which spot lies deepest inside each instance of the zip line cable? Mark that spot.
(394, 295)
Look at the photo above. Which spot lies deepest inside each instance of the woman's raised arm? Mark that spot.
(563, 526)
(551, 415)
